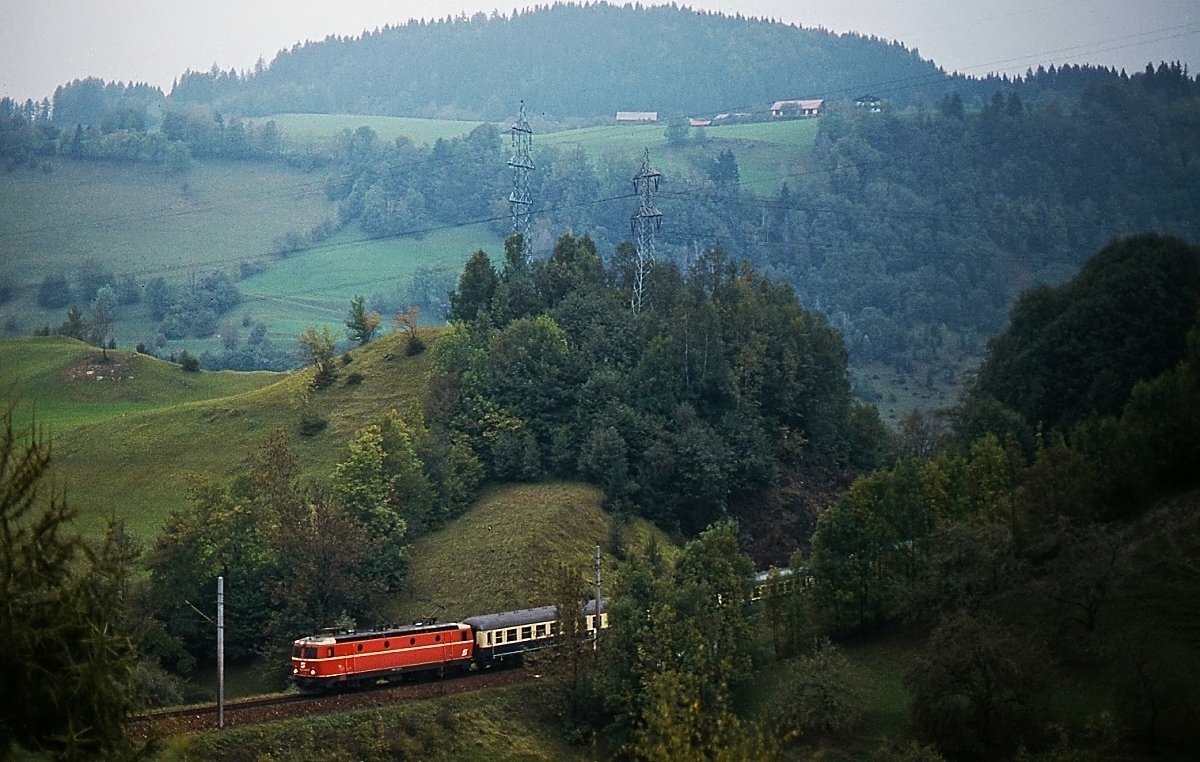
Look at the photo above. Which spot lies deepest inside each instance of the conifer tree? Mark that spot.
(65, 677)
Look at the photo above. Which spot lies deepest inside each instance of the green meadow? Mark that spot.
(316, 285)
(316, 129)
(768, 153)
(132, 448)
(64, 384)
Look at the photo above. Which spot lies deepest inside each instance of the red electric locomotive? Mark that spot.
(345, 658)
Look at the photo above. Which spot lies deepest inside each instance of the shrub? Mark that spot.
(979, 689)
(821, 699)
(354, 379)
(415, 344)
(189, 362)
(311, 425)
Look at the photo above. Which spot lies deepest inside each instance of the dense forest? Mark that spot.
(666, 59)
(699, 398)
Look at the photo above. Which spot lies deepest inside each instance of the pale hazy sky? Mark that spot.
(44, 43)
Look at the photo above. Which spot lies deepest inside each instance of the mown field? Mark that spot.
(141, 221)
(300, 130)
(506, 552)
(768, 153)
(315, 286)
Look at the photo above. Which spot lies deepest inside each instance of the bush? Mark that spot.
(189, 362)
(415, 344)
(311, 425)
(354, 379)
(979, 689)
(821, 699)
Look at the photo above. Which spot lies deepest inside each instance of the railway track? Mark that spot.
(195, 719)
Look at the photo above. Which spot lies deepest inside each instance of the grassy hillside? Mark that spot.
(315, 286)
(768, 153)
(496, 724)
(139, 465)
(504, 553)
(138, 219)
(69, 384)
(308, 129)
(141, 220)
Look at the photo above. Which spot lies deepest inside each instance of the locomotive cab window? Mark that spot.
(466, 635)
(360, 646)
(310, 653)
(295, 652)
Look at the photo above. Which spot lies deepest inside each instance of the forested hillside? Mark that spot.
(912, 228)
(719, 383)
(567, 60)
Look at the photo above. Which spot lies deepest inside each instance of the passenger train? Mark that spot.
(336, 659)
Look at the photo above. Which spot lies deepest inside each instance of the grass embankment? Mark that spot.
(139, 466)
(502, 555)
(508, 724)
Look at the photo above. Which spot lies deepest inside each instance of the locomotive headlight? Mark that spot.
(295, 671)
(312, 672)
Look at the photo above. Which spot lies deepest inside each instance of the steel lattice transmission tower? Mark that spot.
(520, 203)
(644, 223)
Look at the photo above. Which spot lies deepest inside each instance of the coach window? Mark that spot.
(512, 635)
(526, 633)
(541, 630)
(554, 628)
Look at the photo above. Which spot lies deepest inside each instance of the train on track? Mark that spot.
(342, 659)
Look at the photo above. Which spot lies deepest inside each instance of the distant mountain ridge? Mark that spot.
(570, 60)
